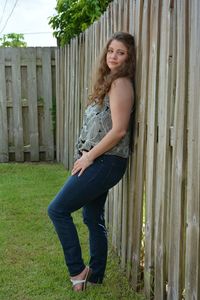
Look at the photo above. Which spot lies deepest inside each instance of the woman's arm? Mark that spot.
(121, 103)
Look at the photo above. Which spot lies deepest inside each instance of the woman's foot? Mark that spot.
(79, 281)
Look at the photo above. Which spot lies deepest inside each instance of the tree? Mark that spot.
(13, 40)
(75, 16)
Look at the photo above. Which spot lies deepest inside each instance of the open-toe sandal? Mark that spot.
(82, 282)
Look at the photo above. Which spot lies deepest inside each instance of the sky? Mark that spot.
(29, 17)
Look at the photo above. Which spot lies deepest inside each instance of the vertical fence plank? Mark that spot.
(138, 193)
(172, 63)
(32, 104)
(177, 176)
(58, 71)
(131, 209)
(132, 17)
(115, 14)
(47, 94)
(125, 21)
(120, 6)
(131, 175)
(192, 282)
(77, 90)
(59, 105)
(17, 106)
(124, 238)
(66, 97)
(82, 100)
(119, 218)
(115, 217)
(161, 199)
(86, 69)
(4, 156)
(151, 149)
(72, 103)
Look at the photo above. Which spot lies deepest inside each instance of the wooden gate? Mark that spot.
(27, 95)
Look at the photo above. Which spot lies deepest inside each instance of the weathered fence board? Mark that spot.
(3, 113)
(192, 276)
(17, 111)
(162, 164)
(26, 95)
(32, 105)
(47, 94)
(124, 228)
(176, 241)
(151, 149)
(66, 91)
(139, 168)
(153, 213)
(60, 106)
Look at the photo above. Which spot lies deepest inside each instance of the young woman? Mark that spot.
(100, 161)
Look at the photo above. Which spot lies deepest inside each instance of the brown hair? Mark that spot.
(104, 77)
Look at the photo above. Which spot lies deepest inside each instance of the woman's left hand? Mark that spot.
(81, 164)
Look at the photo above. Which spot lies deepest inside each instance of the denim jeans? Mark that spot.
(88, 191)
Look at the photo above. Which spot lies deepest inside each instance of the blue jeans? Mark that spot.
(88, 191)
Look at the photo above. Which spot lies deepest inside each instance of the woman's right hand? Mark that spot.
(82, 163)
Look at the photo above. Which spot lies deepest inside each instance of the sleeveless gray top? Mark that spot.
(96, 124)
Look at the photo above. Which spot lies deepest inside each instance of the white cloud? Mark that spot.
(30, 16)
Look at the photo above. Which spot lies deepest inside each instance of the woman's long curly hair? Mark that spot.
(104, 78)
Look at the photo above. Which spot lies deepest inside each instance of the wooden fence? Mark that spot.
(27, 91)
(153, 213)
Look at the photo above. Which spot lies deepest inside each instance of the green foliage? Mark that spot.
(13, 40)
(75, 16)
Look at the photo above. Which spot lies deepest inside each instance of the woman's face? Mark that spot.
(117, 54)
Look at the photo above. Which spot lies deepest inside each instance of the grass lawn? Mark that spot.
(31, 260)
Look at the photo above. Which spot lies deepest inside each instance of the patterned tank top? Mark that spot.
(97, 122)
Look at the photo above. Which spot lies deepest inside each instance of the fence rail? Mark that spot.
(27, 90)
(153, 213)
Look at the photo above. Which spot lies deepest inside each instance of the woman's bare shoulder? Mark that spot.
(122, 85)
(122, 81)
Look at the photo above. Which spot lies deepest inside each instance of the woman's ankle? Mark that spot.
(80, 275)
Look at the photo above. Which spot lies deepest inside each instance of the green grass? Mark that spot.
(31, 260)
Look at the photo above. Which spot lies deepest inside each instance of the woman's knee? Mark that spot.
(50, 211)
(57, 208)
(53, 210)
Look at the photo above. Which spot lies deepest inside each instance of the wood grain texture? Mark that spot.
(192, 282)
